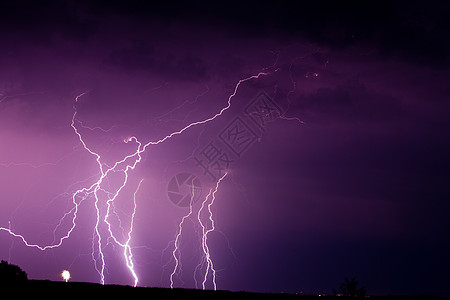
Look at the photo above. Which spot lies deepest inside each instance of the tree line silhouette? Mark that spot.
(10, 273)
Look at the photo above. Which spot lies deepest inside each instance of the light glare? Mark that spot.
(65, 275)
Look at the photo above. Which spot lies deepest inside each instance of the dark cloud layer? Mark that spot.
(412, 30)
(143, 57)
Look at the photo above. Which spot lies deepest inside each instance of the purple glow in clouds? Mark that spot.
(98, 190)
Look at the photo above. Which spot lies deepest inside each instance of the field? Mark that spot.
(51, 289)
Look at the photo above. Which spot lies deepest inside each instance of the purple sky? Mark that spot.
(359, 188)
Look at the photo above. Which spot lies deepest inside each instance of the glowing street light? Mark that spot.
(65, 275)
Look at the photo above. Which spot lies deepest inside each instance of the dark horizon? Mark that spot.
(329, 119)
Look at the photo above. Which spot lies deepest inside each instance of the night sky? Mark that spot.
(333, 131)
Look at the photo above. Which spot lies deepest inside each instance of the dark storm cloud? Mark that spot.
(38, 22)
(350, 101)
(141, 56)
(229, 65)
(412, 30)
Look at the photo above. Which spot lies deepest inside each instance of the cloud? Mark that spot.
(141, 56)
(351, 101)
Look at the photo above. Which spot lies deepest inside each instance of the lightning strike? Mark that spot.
(205, 232)
(125, 165)
(208, 202)
(176, 242)
(127, 248)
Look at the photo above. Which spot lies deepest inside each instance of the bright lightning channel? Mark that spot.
(205, 232)
(210, 197)
(177, 242)
(127, 163)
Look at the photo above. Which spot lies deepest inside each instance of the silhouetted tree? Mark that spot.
(11, 273)
(350, 288)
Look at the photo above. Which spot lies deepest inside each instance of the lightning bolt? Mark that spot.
(127, 248)
(208, 202)
(209, 263)
(176, 242)
(208, 119)
(96, 189)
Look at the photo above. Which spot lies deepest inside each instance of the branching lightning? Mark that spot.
(208, 202)
(98, 189)
(177, 238)
(209, 263)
